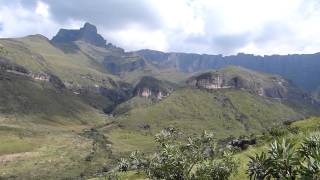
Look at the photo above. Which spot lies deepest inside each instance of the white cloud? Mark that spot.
(135, 38)
(42, 9)
(19, 21)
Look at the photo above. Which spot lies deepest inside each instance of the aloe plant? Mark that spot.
(285, 161)
(259, 167)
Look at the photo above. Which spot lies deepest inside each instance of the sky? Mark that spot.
(196, 26)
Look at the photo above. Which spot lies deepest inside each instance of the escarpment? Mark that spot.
(261, 84)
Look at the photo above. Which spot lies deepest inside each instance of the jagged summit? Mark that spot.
(88, 33)
(89, 28)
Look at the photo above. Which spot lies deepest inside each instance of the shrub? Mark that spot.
(277, 131)
(185, 159)
(123, 165)
(284, 161)
(259, 167)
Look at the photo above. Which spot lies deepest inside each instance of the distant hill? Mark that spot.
(301, 69)
(230, 101)
(226, 112)
(261, 84)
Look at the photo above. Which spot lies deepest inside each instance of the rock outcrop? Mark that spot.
(208, 81)
(37, 76)
(150, 87)
(88, 33)
(240, 78)
(14, 68)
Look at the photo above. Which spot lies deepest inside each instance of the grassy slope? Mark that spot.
(49, 153)
(39, 131)
(36, 53)
(135, 102)
(194, 110)
(40, 102)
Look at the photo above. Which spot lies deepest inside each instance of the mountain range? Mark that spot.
(83, 97)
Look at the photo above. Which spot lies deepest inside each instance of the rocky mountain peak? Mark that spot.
(89, 28)
(88, 33)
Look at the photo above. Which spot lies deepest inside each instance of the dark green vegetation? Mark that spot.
(287, 162)
(73, 106)
(297, 137)
(193, 158)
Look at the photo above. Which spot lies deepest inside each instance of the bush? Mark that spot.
(285, 161)
(277, 131)
(258, 167)
(192, 158)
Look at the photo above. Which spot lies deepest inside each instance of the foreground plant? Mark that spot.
(259, 167)
(194, 158)
(285, 161)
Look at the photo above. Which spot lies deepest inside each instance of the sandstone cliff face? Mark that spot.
(147, 93)
(150, 87)
(208, 81)
(240, 78)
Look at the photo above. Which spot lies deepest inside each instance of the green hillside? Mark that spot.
(41, 102)
(226, 112)
(41, 131)
(37, 54)
(233, 111)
